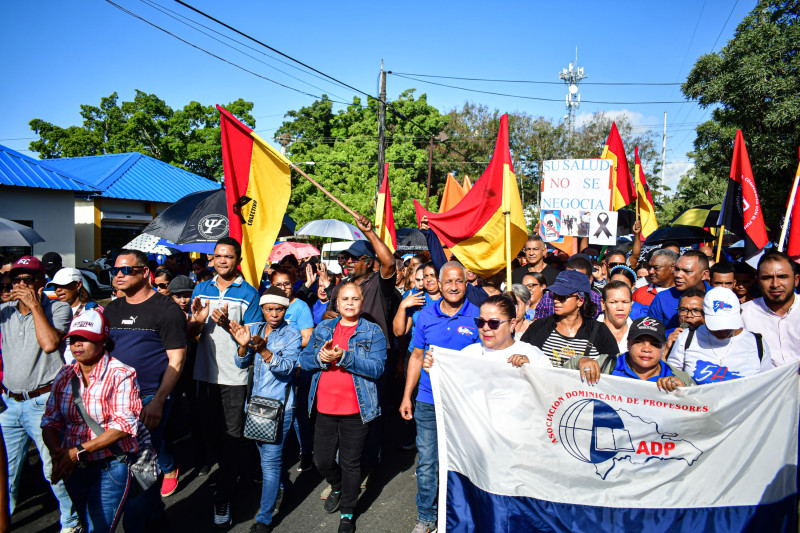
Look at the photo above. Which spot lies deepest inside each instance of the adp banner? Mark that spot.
(535, 449)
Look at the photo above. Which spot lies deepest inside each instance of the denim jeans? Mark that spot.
(21, 422)
(271, 469)
(166, 461)
(302, 422)
(99, 490)
(427, 461)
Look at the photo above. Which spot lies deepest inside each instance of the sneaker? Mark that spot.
(325, 492)
(424, 527)
(306, 463)
(222, 515)
(169, 484)
(258, 527)
(333, 501)
(346, 525)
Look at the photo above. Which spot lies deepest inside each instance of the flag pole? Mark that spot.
(321, 188)
(719, 242)
(789, 207)
(507, 218)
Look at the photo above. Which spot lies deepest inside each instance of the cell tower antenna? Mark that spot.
(572, 77)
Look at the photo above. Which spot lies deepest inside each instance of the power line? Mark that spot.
(539, 99)
(389, 106)
(724, 25)
(531, 81)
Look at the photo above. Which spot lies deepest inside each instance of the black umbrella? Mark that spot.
(200, 217)
(410, 240)
(683, 235)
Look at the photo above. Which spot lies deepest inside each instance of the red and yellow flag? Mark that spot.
(475, 228)
(257, 189)
(453, 193)
(644, 201)
(621, 186)
(384, 216)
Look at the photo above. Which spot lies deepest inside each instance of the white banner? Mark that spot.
(542, 433)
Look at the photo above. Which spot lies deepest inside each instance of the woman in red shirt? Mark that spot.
(346, 357)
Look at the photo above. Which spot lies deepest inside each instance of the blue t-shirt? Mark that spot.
(438, 329)
(664, 307)
(318, 310)
(623, 370)
(299, 315)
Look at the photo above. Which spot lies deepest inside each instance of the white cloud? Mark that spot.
(614, 114)
(673, 172)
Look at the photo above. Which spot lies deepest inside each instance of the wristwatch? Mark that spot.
(81, 451)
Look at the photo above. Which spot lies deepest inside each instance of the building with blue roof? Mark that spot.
(84, 206)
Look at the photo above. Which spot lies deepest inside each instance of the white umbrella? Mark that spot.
(148, 244)
(15, 234)
(332, 228)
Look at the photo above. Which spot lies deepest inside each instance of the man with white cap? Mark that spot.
(69, 288)
(721, 349)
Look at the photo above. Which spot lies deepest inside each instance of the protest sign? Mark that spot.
(536, 448)
(576, 184)
(603, 228)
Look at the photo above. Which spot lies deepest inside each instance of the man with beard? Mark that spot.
(776, 315)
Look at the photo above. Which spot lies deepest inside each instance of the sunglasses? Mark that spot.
(27, 279)
(161, 286)
(492, 322)
(612, 265)
(559, 298)
(126, 270)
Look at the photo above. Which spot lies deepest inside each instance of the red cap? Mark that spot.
(27, 263)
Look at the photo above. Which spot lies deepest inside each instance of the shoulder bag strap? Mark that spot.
(760, 346)
(96, 428)
(610, 362)
(689, 338)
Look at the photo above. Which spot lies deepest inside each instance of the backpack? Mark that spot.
(759, 343)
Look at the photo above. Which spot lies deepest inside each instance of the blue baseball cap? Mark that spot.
(569, 282)
(360, 249)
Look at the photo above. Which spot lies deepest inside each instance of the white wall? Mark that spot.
(53, 215)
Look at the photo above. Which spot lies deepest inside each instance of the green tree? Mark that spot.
(188, 138)
(753, 84)
(340, 151)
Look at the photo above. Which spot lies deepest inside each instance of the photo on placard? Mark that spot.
(550, 226)
(569, 222)
(603, 228)
(584, 221)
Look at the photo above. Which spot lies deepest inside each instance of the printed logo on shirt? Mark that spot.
(719, 304)
(129, 321)
(564, 354)
(705, 372)
(464, 330)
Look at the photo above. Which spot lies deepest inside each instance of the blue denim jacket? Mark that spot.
(271, 379)
(364, 359)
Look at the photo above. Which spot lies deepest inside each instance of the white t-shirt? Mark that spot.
(622, 344)
(710, 360)
(534, 354)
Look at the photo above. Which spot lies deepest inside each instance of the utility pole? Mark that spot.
(381, 130)
(430, 168)
(572, 78)
(664, 150)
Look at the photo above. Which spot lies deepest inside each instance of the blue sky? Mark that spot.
(59, 55)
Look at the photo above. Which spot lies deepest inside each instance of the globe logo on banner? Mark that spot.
(213, 227)
(593, 432)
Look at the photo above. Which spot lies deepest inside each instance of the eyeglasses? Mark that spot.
(492, 322)
(282, 285)
(27, 279)
(532, 285)
(690, 312)
(126, 270)
(162, 286)
(6, 287)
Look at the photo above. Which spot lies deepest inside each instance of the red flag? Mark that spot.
(741, 210)
(793, 248)
(623, 192)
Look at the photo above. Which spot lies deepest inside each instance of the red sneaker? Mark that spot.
(170, 484)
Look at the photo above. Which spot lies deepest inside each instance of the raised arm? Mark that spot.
(382, 252)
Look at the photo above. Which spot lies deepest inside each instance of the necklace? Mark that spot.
(727, 347)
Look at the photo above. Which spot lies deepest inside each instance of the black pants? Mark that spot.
(347, 433)
(223, 410)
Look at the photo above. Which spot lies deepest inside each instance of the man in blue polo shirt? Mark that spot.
(222, 386)
(448, 324)
(691, 271)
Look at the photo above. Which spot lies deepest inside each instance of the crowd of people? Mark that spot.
(332, 356)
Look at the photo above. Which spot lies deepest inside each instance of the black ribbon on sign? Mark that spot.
(603, 228)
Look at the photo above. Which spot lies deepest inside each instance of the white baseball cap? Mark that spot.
(722, 310)
(90, 324)
(334, 268)
(65, 276)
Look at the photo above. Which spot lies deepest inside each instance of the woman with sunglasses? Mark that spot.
(161, 280)
(496, 323)
(571, 331)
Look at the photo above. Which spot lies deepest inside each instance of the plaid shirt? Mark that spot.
(545, 306)
(111, 399)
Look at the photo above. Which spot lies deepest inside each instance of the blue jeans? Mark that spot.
(166, 461)
(302, 424)
(99, 490)
(271, 471)
(427, 461)
(21, 422)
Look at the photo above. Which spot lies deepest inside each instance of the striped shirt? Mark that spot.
(561, 349)
(111, 398)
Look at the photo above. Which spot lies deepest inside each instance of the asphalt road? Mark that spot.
(385, 506)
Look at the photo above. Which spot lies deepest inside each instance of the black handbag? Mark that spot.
(144, 468)
(264, 417)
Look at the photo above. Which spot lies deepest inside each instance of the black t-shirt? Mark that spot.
(142, 334)
(549, 274)
(377, 297)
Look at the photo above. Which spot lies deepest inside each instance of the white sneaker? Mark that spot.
(222, 515)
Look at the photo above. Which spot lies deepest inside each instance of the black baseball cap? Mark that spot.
(647, 326)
